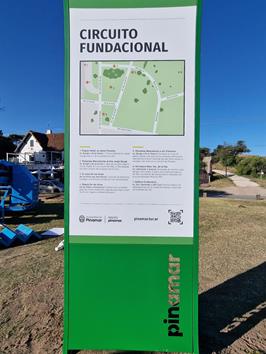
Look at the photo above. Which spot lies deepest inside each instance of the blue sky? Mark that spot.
(31, 65)
(233, 70)
(233, 75)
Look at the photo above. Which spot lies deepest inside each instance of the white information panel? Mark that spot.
(132, 113)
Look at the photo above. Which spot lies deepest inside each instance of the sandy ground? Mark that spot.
(232, 284)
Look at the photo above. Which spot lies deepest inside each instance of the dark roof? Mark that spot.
(55, 141)
(6, 145)
(49, 142)
(41, 137)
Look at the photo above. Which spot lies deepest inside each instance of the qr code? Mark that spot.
(175, 217)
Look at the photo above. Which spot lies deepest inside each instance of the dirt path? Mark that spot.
(242, 186)
(239, 181)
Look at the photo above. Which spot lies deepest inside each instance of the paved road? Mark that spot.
(243, 188)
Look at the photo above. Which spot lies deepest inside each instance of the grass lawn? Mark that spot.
(260, 181)
(230, 227)
(220, 181)
(231, 274)
(31, 287)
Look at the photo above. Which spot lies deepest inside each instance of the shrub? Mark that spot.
(252, 165)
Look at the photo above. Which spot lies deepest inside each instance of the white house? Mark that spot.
(40, 148)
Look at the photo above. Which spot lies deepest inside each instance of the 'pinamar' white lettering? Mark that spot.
(173, 318)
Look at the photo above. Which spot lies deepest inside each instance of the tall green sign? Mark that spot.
(132, 162)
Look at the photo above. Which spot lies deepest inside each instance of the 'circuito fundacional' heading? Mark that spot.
(116, 40)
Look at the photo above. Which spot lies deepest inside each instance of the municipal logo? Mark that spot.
(82, 218)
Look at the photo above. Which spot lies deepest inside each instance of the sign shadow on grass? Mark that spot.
(211, 193)
(231, 309)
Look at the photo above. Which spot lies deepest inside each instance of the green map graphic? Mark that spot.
(136, 97)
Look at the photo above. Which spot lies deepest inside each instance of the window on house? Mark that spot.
(31, 143)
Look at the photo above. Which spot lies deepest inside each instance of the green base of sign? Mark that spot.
(121, 297)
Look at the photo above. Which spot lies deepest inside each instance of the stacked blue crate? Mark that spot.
(22, 234)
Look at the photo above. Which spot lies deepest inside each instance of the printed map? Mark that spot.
(136, 97)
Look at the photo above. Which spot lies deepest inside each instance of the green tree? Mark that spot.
(113, 73)
(215, 156)
(15, 138)
(205, 151)
(252, 165)
(228, 154)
